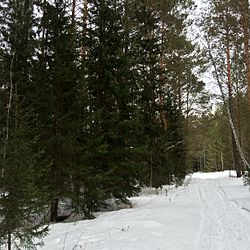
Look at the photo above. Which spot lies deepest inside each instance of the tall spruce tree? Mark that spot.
(163, 63)
(109, 143)
(147, 70)
(54, 102)
(20, 207)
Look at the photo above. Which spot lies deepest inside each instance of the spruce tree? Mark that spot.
(160, 54)
(110, 146)
(55, 104)
(20, 209)
(147, 53)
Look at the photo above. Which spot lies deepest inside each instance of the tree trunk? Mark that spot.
(239, 114)
(245, 26)
(151, 171)
(236, 158)
(8, 116)
(237, 163)
(163, 115)
(85, 16)
(76, 185)
(238, 95)
(54, 210)
(73, 15)
(85, 23)
(244, 10)
(222, 161)
(9, 240)
(204, 160)
(187, 108)
(219, 82)
(44, 36)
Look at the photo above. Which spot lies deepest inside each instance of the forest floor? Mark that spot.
(212, 212)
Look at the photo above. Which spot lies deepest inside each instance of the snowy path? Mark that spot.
(208, 214)
(225, 226)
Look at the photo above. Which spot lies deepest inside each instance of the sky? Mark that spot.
(195, 32)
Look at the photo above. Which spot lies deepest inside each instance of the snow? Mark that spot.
(214, 175)
(211, 213)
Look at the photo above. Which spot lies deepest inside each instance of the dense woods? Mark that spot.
(100, 98)
(226, 26)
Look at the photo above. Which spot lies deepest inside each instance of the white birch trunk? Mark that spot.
(242, 155)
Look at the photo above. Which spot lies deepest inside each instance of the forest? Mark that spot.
(100, 98)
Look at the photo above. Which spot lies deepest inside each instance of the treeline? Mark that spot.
(225, 28)
(211, 146)
(94, 100)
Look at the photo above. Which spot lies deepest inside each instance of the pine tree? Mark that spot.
(225, 37)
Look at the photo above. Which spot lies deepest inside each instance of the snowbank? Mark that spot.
(214, 175)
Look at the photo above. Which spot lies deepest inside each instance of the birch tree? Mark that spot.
(222, 38)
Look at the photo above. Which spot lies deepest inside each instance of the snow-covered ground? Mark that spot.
(211, 213)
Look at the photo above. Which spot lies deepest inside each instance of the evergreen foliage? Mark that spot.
(228, 53)
(95, 106)
(20, 207)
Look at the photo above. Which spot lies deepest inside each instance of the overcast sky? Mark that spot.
(207, 77)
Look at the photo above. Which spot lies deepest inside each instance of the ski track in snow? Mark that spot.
(225, 226)
(208, 214)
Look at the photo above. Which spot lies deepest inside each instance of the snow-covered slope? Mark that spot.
(211, 213)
